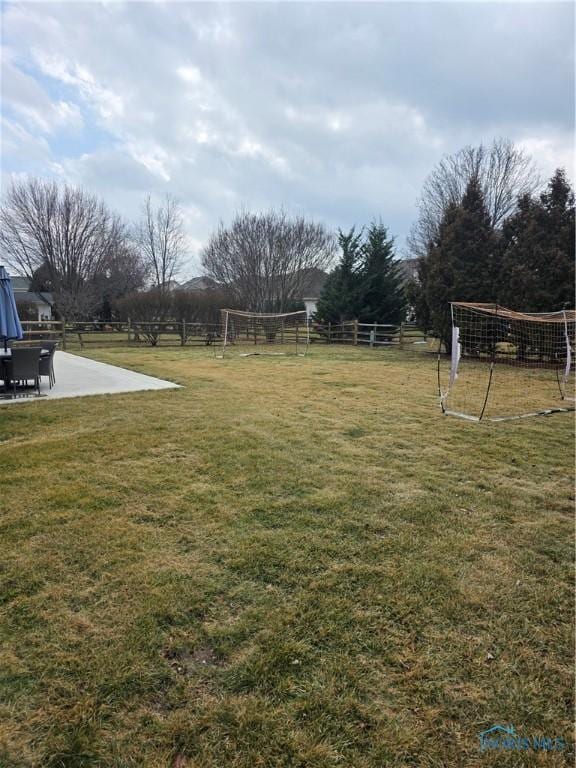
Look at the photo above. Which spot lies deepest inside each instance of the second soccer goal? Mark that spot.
(253, 333)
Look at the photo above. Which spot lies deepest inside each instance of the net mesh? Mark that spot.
(250, 333)
(507, 364)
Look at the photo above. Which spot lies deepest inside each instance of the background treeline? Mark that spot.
(97, 266)
(68, 242)
(526, 263)
(178, 304)
(487, 230)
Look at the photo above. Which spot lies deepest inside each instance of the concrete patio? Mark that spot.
(78, 376)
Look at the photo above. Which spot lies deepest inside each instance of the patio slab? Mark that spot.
(78, 376)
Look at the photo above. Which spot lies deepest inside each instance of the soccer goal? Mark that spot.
(251, 333)
(508, 365)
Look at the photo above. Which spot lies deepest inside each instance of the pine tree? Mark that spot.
(558, 202)
(339, 298)
(537, 251)
(461, 263)
(440, 277)
(381, 296)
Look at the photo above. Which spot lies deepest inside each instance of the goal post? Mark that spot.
(254, 333)
(508, 365)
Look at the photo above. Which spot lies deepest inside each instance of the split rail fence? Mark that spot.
(80, 335)
(367, 334)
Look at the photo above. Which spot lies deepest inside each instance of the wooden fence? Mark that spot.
(130, 333)
(36, 331)
(369, 334)
(181, 333)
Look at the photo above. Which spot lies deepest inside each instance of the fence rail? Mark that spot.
(129, 333)
(372, 334)
(154, 333)
(36, 331)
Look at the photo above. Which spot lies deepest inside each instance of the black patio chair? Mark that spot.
(24, 365)
(47, 363)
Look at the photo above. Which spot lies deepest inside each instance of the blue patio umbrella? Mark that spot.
(10, 327)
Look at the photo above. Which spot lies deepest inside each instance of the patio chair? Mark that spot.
(24, 365)
(47, 363)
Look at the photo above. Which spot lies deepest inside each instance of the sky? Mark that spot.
(337, 111)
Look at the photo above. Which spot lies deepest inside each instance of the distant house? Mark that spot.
(202, 283)
(32, 305)
(310, 305)
(172, 285)
(310, 281)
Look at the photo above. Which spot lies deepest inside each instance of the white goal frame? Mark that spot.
(508, 365)
(262, 333)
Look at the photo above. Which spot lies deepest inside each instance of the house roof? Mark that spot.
(23, 295)
(20, 283)
(33, 297)
(202, 283)
(311, 281)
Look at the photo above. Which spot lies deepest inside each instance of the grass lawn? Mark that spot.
(289, 562)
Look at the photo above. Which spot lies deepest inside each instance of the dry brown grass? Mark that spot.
(286, 563)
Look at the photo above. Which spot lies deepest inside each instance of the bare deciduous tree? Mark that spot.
(123, 272)
(160, 238)
(200, 306)
(67, 233)
(146, 308)
(504, 171)
(266, 260)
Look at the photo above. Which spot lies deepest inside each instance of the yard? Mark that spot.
(288, 562)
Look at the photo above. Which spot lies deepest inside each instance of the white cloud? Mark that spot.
(189, 74)
(24, 96)
(551, 153)
(107, 103)
(19, 143)
(151, 156)
(338, 111)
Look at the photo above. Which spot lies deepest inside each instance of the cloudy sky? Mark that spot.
(336, 110)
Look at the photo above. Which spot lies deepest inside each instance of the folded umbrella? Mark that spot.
(10, 327)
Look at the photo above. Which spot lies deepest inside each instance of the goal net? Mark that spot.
(507, 365)
(251, 333)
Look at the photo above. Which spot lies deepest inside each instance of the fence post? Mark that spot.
(329, 331)
(401, 337)
(129, 332)
(355, 333)
(63, 333)
(183, 337)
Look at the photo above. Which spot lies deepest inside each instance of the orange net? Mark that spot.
(506, 364)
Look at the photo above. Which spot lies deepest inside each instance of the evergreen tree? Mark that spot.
(439, 276)
(461, 263)
(558, 202)
(338, 300)
(537, 251)
(381, 296)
